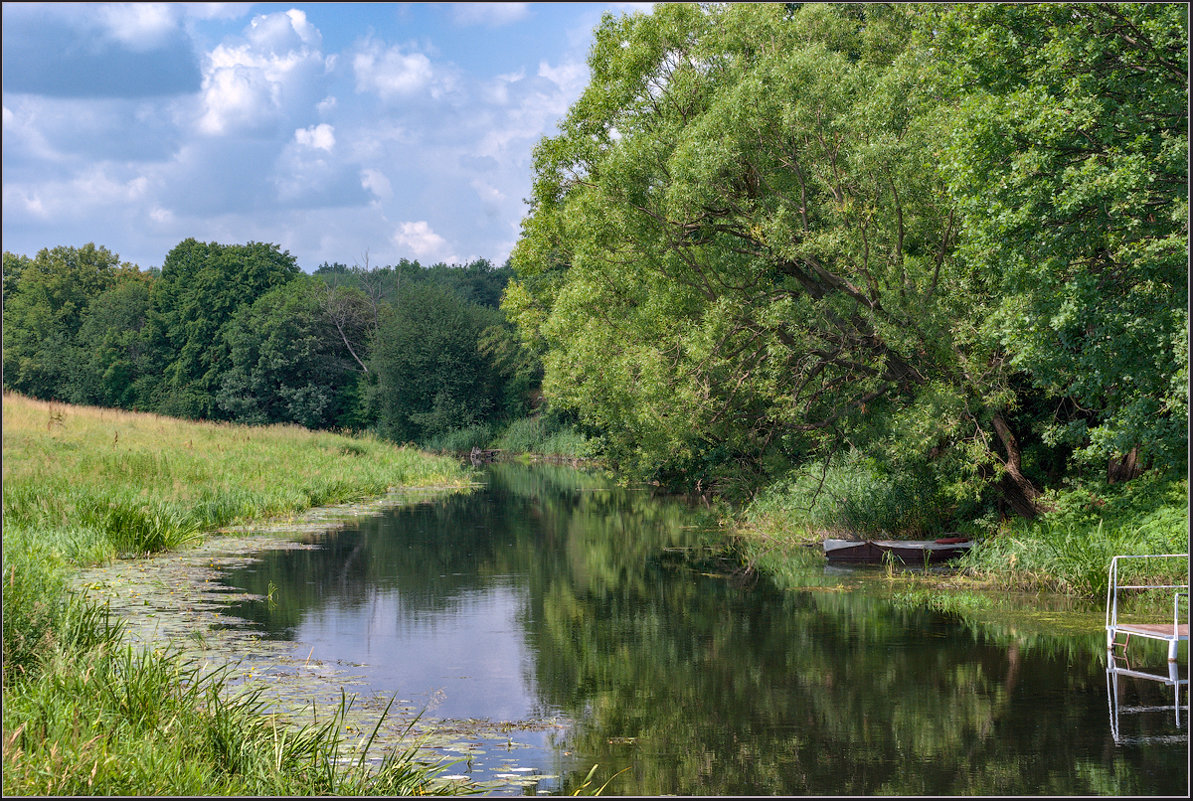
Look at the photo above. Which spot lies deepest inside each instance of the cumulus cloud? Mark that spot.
(134, 52)
(274, 72)
(570, 77)
(140, 26)
(418, 238)
(321, 136)
(284, 33)
(376, 182)
(412, 141)
(390, 72)
(492, 14)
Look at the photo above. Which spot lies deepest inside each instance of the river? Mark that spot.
(555, 621)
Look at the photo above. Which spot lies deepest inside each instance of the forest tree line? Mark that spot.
(239, 333)
(943, 245)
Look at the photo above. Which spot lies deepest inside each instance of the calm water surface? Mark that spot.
(589, 619)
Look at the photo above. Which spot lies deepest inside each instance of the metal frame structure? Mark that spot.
(1173, 634)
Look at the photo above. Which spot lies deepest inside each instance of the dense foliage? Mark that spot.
(239, 333)
(949, 240)
(932, 253)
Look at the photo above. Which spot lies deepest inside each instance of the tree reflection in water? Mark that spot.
(702, 685)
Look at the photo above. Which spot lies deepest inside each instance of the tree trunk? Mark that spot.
(1016, 488)
(1124, 468)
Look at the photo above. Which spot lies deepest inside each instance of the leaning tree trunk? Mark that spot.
(1018, 491)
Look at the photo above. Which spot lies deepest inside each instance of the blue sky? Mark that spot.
(335, 130)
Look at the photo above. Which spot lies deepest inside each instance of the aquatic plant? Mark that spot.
(86, 716)
(115, 720)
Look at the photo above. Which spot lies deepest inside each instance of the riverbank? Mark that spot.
(86, 712)
(1066, 550)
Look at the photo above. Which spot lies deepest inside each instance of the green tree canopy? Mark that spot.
(288, 360)
(431, 375)
(768, 232)
(45, 303)
(737, 243)
(1069, 165)
(202, 285)
(114, 365)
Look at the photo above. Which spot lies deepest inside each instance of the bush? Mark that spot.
(545, 435)
(459, 440)
(854, 496)
(1068, 549)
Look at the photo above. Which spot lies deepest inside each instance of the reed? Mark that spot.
(849, 496)
(1069, 548)
(119, 721)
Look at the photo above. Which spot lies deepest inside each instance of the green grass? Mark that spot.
(1066, 550)
(85, 715)
(850, 497)
(1069, 548)
(544, 436)
(99, 484)
(112, 720)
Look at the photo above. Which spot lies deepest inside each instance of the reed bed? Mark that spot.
(85, 714)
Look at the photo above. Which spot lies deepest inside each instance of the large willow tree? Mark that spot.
(742, 252)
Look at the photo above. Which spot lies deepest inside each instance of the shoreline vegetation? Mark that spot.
(1066, 551)
(87, 713)
(84, 486)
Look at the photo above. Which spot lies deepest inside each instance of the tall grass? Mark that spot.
(1066, 550)
(99, 483)
(541, 435)
(545, 436)
(1069, 548)
(117, 721)
(85, 716)
(850, 496)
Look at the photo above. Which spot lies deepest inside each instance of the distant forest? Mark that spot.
(240, 333)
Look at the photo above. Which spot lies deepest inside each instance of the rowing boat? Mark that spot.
(909, 552)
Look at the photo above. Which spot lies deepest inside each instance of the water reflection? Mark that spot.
(553, 593)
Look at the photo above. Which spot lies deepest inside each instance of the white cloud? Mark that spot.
(389, 72)
(376, 182)
(492, 14)
(94, 191)
(497, 90)
(249, 85)
(419, 239)
(326, 106)
(215, 10)
(490, 195)
(321, 136)
(283, 33)
(570, 77)
(139, 26)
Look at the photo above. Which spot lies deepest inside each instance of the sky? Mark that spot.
(341, 132)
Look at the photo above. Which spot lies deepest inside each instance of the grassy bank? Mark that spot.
(82, 712)
(1066, 550)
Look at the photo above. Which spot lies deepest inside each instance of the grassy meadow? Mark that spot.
(86, 714)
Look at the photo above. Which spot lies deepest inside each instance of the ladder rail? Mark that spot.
(1112, 594)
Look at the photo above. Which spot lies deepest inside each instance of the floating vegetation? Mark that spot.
(178, 601)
